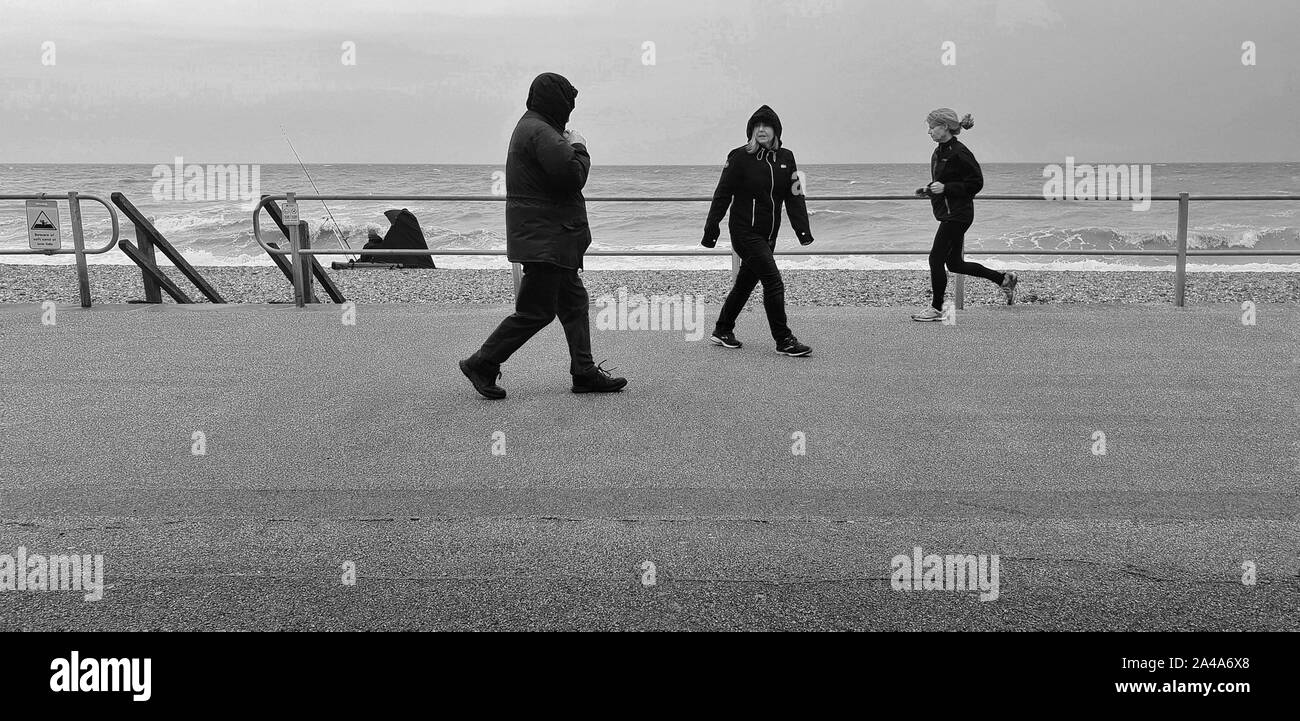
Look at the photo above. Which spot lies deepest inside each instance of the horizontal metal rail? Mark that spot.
(709, 199)
(1180, 253)
(112, 214)
(78, 236)
(698, 199)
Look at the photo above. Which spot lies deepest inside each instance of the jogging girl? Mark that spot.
(955, 178)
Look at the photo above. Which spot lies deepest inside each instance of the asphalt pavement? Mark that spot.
(723, 489)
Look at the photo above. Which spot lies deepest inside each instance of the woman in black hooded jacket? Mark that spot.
(757, 180)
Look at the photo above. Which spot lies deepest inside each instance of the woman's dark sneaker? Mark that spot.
(726, 340)
(792, 347)
(484, 380)
(1009, 281)
(598, 381)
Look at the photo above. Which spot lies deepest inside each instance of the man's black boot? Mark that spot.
(483, 376)
(597, 380)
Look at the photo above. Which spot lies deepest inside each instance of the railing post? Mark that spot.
(294, 247)
(1180, 272)
(152, 291)
(79, 248)
(959, 291)
(304, 242)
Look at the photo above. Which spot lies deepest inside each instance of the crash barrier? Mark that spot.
(300, 253)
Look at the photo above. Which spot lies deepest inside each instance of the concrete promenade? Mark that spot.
(327, 443)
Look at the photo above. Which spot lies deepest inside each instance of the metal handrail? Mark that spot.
(1180, 253)
(112, 214)
(78, 236)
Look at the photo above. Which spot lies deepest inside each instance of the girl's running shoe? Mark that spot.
(929, 315)
(1009, 281)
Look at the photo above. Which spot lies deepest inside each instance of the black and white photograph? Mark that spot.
(344, 318)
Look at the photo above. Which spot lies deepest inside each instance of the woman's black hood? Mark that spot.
(766, 116)
(553, 96)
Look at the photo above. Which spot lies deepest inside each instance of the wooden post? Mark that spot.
(325, 281)
(1180, 271)
(152, 272)
(149, 237)
(959, 291)
(304, 241)
(299, 296)
(79, 247)
(152, 291)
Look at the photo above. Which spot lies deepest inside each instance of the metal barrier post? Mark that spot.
(1180, 273)
(79, 248)
(294, 248)
(959, 291)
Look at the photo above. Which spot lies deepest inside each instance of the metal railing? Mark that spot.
(78, 236)
(1180, 252)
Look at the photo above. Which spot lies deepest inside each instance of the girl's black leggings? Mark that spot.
(947, 252)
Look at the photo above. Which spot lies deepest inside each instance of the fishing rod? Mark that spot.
(337, 231)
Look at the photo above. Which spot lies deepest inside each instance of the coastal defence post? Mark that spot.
(150, 238)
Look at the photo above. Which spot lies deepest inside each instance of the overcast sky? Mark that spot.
(444, 82)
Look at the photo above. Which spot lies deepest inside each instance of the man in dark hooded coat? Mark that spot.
(546, 231)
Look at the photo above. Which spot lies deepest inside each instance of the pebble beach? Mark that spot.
(879, 288)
